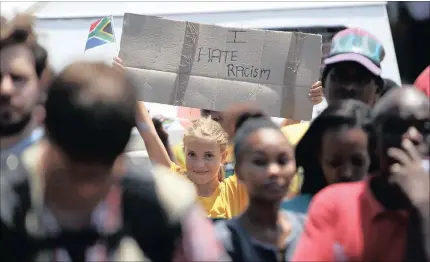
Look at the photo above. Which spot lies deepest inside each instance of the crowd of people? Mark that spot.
(350, 184)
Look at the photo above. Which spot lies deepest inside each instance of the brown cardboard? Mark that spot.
(205, 66)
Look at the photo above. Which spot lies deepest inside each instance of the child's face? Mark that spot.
(203, 160)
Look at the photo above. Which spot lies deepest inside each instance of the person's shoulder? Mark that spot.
(161, 178)
(232, 185)
(176, 193)
(422, 81)
(352, 188)
(157, 192)
(298, 126)
(224, 233)
(299, 203)
(339, 195)
(296, 218)
(230, 181)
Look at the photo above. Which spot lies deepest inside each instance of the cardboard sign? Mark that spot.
(211, 67)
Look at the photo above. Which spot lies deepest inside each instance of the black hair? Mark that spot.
(90, 112)
(350, 113)
(164, 136)
(246, 124)
(41, 58)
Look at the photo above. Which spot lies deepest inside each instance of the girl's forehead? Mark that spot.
(265, 136)
(269, 141)
(334, 139)
(200, 143)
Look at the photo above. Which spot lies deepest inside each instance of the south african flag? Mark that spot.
(101, 32)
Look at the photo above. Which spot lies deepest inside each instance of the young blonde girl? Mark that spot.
(205, 149)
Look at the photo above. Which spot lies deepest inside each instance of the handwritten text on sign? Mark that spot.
(212, 67)
(231, 59)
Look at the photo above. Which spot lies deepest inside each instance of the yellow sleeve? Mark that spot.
(295, 132)
(178, 152)
(235, 195)
(296, 183)
(174, 168)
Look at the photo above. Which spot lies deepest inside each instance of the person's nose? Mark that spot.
(273, 170)
(345, 173)
(6, 88)
(199, 163)
(350, 89)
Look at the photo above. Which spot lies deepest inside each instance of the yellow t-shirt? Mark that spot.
(229, 199)
(294, 133)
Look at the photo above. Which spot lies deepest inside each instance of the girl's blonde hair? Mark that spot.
(207, 128)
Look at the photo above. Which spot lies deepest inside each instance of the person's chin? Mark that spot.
(201, 178)
(275, 194)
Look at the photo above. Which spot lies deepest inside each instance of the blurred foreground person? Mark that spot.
(23, 62)
(74, 197)
(334, 149)
(266, 166)
(385, 217)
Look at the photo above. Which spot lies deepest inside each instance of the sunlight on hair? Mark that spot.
(206, 128)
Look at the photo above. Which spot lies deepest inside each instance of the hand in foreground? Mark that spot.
(316, 93)
(118, 64)
(410, 173)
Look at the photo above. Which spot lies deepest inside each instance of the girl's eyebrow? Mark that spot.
(258, 152)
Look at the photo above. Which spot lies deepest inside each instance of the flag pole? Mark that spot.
(113, 33)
